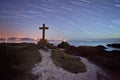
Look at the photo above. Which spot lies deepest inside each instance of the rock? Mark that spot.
(84, 51)
(101, 46)
(107, 59)
(63, 45)
(114, 45)
(43, 42)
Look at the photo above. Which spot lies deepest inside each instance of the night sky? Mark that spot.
(69, 19)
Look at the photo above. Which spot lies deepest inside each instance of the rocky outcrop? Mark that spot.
(63, 45)
(114, 45)
(107, 59)
(101, 46)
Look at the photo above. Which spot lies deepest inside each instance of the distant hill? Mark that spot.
(26, 39)
(16, 38)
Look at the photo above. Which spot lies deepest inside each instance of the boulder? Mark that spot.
(63, 45)
(114, 45)
(101, 46)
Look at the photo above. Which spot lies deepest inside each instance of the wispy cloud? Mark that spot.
(7, 12)
(116, 21)
(76, 3)
(25, 16)
(33, 5)
(114, 28)
(11, 6)
(47, 9)
(66, 8)
(87, 32)
(50, 0)
(111, 27)
(117, 0)
(34, 12)
(73, 23)
(86, 1)
(117, 5)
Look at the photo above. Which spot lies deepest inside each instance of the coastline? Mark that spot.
(75, 43)
(95, 55)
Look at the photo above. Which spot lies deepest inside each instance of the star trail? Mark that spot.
(70, 19)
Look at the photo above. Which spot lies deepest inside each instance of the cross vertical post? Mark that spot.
(43, 31)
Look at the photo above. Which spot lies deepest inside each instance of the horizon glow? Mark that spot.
(68, 19)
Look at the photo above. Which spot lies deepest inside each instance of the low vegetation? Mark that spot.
(17, 60)
(106, 59)
(68, 62)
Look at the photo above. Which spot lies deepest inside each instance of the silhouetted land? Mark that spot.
(107, 59)
(114, 45)
(17, 60)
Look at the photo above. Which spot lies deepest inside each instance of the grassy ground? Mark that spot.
(109, 60)
(68, 62)
(17, 60)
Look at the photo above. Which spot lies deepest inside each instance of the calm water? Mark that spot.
(91, 43)
(95, 43)
(75, 43)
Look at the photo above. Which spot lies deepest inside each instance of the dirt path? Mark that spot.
(46, 70)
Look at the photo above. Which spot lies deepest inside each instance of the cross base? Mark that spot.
(43, 42)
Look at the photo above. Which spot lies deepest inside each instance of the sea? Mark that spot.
(73, 42)
(92, 43)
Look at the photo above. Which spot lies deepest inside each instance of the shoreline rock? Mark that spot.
(115, 45)
(98, 55)
(63, 45)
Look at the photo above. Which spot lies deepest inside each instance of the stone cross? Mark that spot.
(43, 32)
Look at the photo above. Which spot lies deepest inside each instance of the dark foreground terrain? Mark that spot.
(68, 62)
(115, 45)
(109, 61)
(97, 54)
(17, 60)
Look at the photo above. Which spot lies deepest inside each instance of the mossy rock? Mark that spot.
(43, 42)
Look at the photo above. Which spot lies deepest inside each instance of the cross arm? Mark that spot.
(43, 27)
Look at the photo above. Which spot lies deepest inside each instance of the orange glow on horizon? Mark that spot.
(36, 36)
(18, 39)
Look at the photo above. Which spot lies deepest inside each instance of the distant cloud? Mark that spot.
(25, 16)
(73, 23)
(34, 12)
(6, 12)
(66, 8)
(117, 5)
(47, 9)
(11, 6)
(75, 2)
(87, 32)
(33, 5)
(86, 1)
(115, 29)
(111, 26)
(116, 21)
(78, 2)
(117, 0)
(50, 0)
